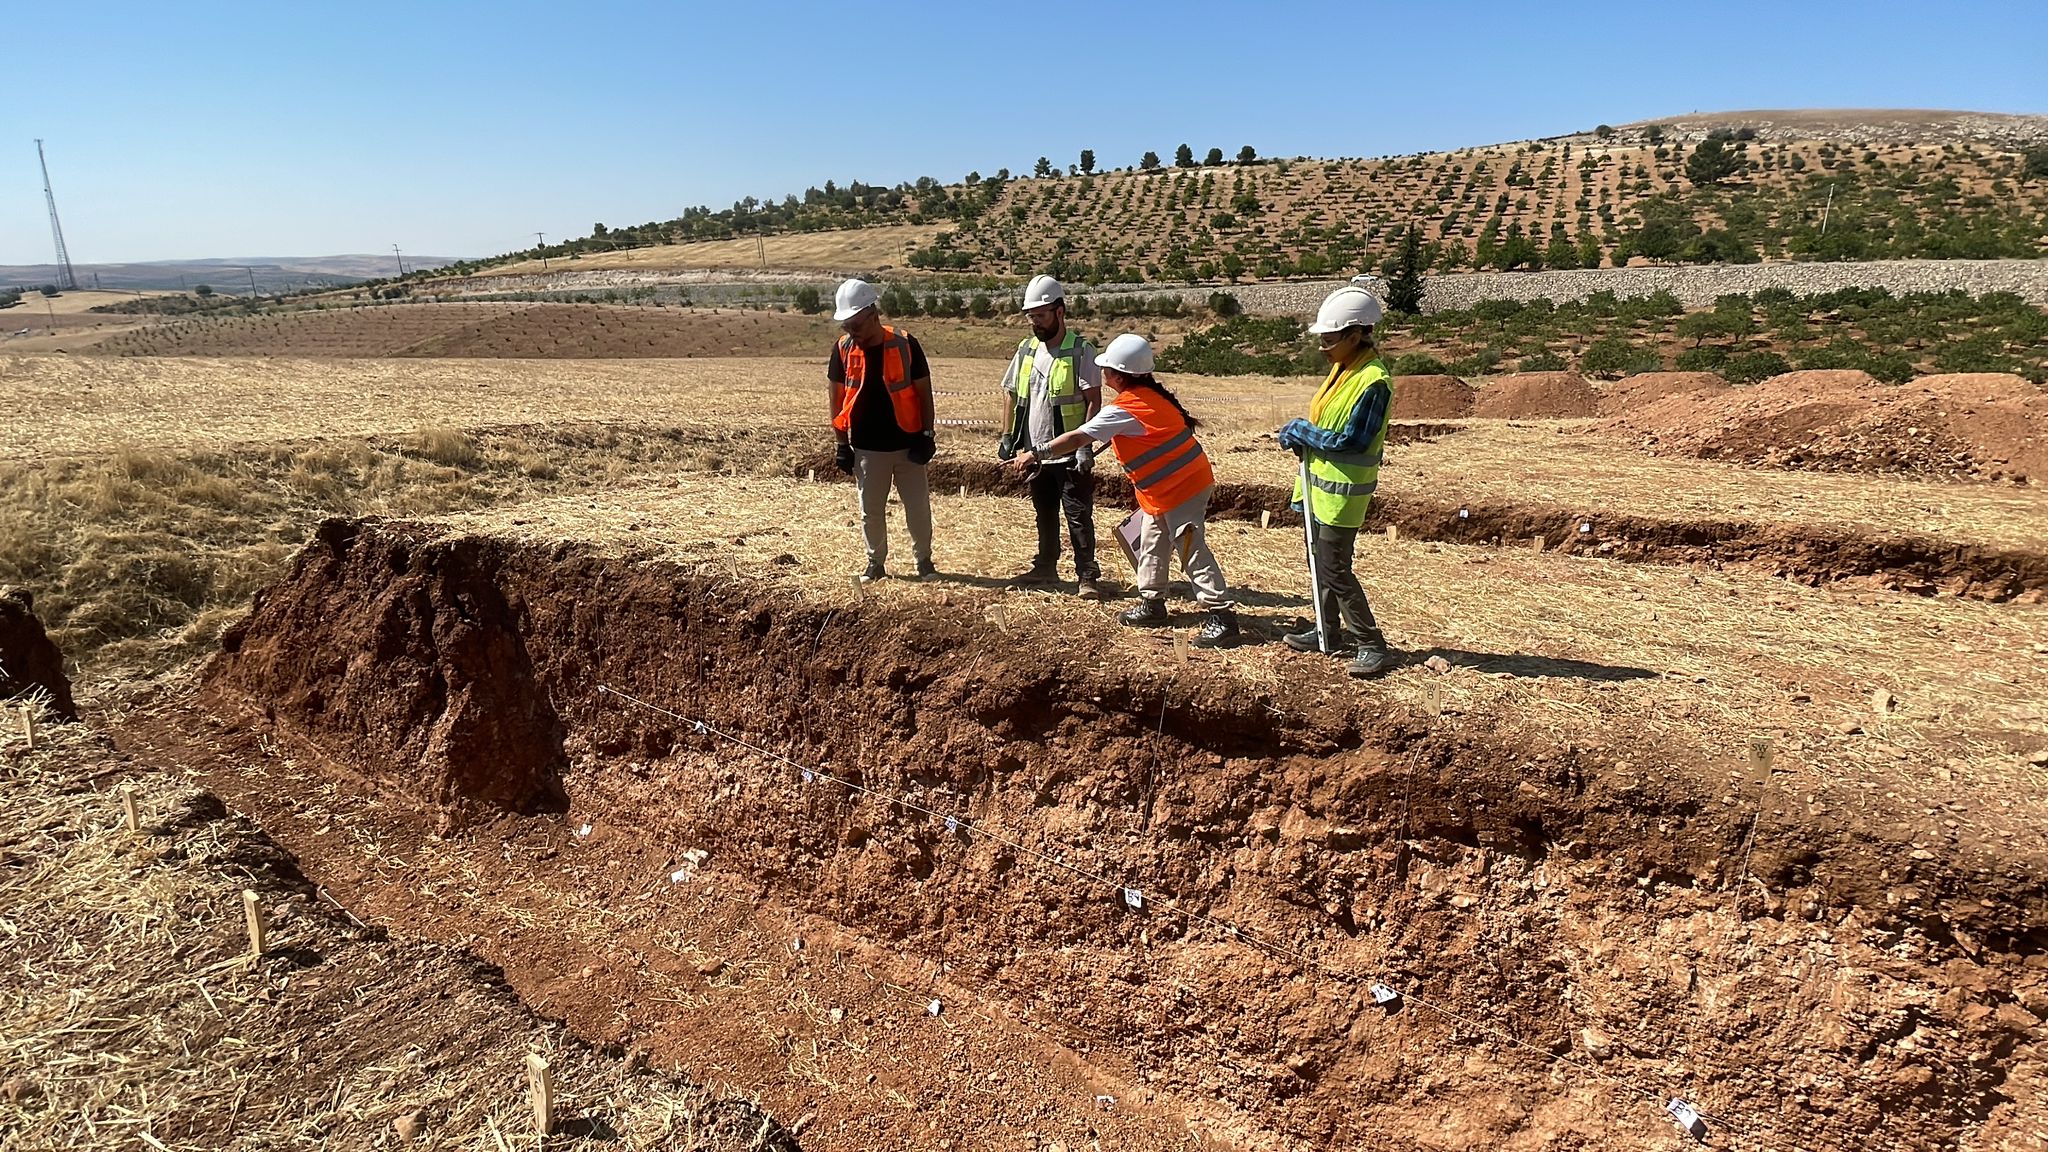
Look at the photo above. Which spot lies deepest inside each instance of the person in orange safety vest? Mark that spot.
(879, 389)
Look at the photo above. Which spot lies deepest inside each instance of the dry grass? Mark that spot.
(849, 250)
(133, 1017)
(1692, 662)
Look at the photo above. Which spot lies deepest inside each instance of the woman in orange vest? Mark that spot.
(1154, 439)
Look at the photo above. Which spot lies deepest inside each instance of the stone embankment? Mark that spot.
(1696, 286)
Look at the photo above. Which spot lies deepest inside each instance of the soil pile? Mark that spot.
(1975, 426)
(29, 661)
(423, 664)
(1432, 398)
(1645, 388)
(1536, 396)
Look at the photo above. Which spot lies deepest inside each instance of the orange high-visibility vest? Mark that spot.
(905, 399)
(1166, 465)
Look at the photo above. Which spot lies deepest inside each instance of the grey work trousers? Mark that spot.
(1156, 545)
(873, 472)
(1343, 597)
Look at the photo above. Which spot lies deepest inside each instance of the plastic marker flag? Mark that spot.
(934, 1008)
(807, 775)
(698, 726)
(1381, 994)
(1135, 899)
(1687, 1118)
(952, 826)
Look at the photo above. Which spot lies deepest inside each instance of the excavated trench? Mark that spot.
(1907, 562)
(1579, 926)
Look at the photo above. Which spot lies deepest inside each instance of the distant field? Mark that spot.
(850, 250)
(519, 330)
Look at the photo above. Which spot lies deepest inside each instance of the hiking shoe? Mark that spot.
(1090, 589)
(1219, 629)
(875, 572)
(1372, 659)
(1037, 574)
(1309, 641)
(926, 569)
(1146, 613)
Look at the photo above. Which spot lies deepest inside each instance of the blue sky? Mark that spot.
(229, 129)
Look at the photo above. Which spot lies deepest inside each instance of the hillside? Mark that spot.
(272, 273)
(1722, 188)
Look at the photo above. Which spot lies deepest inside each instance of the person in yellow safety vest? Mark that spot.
(1342, 440)
(1154, 439)
(1053, 387)
(878, 387)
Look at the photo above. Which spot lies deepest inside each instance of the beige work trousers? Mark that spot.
(1156, 546)
(873, 473)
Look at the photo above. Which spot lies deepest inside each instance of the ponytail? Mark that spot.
(1149, 381)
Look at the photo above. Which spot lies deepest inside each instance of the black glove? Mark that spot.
(923, 448)
(1006, 448)
(844, 458)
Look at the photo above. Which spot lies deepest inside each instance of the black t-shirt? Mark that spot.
(874, 418)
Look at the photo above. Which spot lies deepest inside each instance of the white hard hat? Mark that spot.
(1130, 354)
(854, 295)
(1347, 307)
(1041, 291)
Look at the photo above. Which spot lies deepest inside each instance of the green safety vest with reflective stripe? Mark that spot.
(1343, 482)
(1062, 388)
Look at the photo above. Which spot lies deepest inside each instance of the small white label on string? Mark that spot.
(697, 726)
(583, 831)
(952, 826)
(1134, 899)
(1381, 994)
(679, 875)
(808, 775)
(933, 1008)
(1687, 1118)
(1464, 513)
(1585, 527)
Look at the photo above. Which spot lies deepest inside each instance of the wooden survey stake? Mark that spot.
(540, 1086)
(1393, 531)
(1180, 647)
(128, 817)
(28, 726)
(1266, 518)
(252, 909)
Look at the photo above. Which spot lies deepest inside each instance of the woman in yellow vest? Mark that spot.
(1154, 439)
(1342, 441)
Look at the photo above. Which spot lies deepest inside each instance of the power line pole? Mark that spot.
(400, 258)
(542, 237)
(252, 280)
(67, 280)
(1825, 209)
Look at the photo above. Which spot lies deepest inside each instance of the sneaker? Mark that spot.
(1309, 641)
(1372, 659)
(926, 569)
(875, 572)
(1037, 574)
(1090, 589)
(1146, 613)
(1219, 629)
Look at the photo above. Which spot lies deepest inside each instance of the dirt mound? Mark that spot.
(455, 700)
(1432, 398)
(1986, 426)
(1537, 395)
(1646, 388)
(29, 661)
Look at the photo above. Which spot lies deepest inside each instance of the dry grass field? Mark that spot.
(1549, 823)
(835, 251)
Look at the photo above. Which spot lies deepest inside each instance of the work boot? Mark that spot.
(1373, 657)
(1218, 630)
(1309, 641)
(1040, 573)
(1090, 588)
(926, 569)
(875, 572)
(1146, 613)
